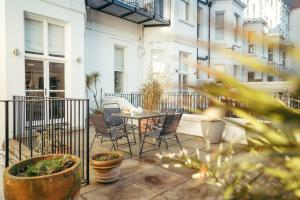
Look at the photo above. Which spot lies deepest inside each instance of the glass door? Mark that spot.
(44, 79)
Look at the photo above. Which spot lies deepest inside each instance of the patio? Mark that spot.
(152, 178)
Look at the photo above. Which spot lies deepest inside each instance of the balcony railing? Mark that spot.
(36, 126)
(148, 12)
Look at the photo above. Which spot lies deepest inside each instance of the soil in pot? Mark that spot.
(107, 166)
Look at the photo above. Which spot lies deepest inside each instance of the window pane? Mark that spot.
(56, 40)
(184, 61)
(34, 75)
(219, 33)
(33, 36)
(57, 76)
(119, 59)
(118, 82)
(219, 19)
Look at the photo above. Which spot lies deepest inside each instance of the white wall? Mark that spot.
(103, 32)
(14, 39)
(12, 67)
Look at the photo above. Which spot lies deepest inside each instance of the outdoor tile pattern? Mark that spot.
(147, 178)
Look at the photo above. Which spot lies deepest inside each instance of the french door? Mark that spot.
(44, 78)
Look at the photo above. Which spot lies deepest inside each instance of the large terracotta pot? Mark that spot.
(107, 171)
(62, 185)
(213, 130)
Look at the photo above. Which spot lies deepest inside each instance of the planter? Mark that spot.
(213, 130)
(61, 185)
(107, 171)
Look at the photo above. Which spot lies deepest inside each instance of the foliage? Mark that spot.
(45, 167)
(92, 81)
(270, 169)
(107, 157)
(152, 93)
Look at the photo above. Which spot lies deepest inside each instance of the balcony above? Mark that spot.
(147, 12)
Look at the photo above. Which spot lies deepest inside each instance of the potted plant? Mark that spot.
(107, 166)
(53, 176)
(213, 127)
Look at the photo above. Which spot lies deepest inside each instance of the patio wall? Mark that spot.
(191, 125)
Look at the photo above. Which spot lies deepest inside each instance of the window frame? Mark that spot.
(270, 53)
(236, 27)
(122, 72)
(220, 27)
(45, 57)
(185, 10)
(251, 44)
(200, 16)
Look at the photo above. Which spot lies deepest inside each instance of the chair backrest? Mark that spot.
(170, 124)
(180, 110)
(168, 111)
(100, 124)
(109, 109)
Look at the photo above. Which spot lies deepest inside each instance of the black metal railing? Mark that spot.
(191, 102)
(36, 126)
(153, 6)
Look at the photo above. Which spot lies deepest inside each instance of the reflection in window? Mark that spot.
(34, 75)
(57, 74)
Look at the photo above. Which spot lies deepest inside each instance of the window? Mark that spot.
(183, 82)
(251, 76)
(34, 36)
(253, 10)
(236, 27)
(200, 22)
(56, 43)
(119, 69)
(183, 62)
(236, 71)
(283, 59)
(184, 9)
(219, 35)
(270, 78)
(158, 63)
(270, 53)
(44, 57)
(251, 42)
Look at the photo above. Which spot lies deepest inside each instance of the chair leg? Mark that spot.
(133, 131)
(178, 141)
(101, 139)
(129, 144)
(158, 142)
(113, 145)
(143, 141)
(93, 141)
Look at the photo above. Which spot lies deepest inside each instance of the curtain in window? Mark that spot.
(119, 59)
(33, 36)
(56, 40)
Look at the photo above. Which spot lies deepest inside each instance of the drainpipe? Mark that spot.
(209, 3)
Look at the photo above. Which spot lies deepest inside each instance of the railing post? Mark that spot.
(88, 141)
(6, 134)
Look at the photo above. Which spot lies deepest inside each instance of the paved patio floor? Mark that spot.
(147, 178)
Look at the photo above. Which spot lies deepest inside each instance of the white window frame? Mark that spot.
(45, 57)
(200, 22)
(123, 68)
(251, 44)
(185, 10)
(181, 55)
(270, 53)
(220, 27)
